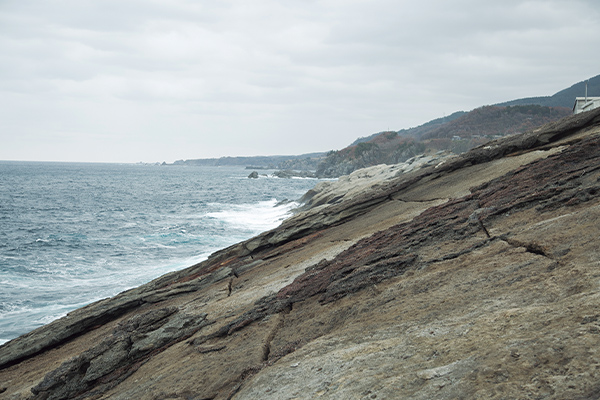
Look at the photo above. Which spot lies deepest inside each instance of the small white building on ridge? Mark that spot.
(585, 104)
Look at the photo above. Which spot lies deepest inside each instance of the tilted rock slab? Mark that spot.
(475, 277)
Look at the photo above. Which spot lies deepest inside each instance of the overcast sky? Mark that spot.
(162, 80)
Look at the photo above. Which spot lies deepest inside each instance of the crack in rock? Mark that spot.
(274, 331)
(530, 247)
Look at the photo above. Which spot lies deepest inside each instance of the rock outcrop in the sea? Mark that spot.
(473, 277)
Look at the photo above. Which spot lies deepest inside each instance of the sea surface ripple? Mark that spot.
(73, 233)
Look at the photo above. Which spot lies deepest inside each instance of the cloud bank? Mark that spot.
(132, 80)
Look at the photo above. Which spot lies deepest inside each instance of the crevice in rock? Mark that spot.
(247, 373)
(452, 256)
(263, 307)
(266, 348)
(341, 241)
(533, 248)
(252, 371)
(274, 331)
(484, 229)
(229, 287)
(210, 349)
(417, 200)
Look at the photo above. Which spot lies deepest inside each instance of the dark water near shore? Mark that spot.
(75, 233)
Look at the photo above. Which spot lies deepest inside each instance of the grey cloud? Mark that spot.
(326, 71)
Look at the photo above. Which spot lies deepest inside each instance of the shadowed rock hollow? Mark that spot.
(475, 277)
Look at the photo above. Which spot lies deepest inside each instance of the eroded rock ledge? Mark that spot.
(473, 277)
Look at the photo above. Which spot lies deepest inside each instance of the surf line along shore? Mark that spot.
(468, 278)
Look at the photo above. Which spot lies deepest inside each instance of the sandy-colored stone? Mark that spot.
(477, 279)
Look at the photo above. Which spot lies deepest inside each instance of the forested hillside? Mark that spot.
(458, 133)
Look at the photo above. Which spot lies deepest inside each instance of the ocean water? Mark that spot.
(72, 233)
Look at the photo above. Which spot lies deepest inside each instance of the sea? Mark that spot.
(74, 233)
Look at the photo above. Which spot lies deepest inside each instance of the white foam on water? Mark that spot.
(117, 240)
(46, 319)
(139, 276)
(259, 217)
(70, 294)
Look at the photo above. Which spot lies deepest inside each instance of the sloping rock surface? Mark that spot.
(473, 277)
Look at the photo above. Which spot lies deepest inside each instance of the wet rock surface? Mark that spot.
(472, 277)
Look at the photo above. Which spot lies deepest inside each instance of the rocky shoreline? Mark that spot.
(475, 276)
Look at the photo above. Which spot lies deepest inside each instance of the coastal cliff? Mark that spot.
(456, 133)
(475, 276)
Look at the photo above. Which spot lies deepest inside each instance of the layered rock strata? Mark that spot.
(475, 277)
